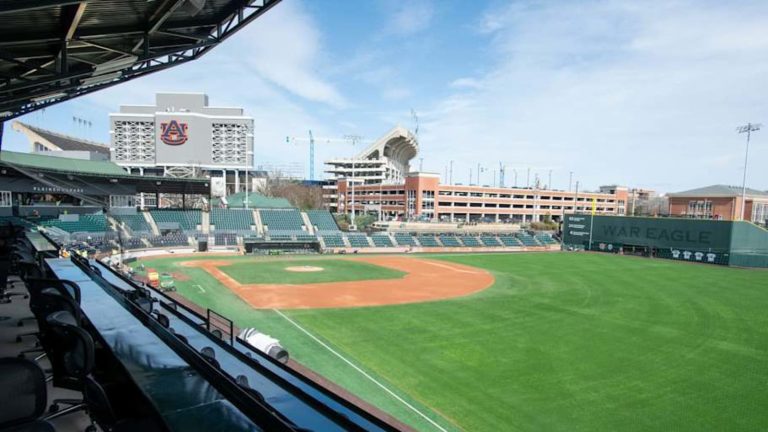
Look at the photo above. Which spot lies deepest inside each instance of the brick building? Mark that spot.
(421, 196)
(720, 202)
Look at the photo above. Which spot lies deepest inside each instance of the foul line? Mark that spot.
(364, 373)
(201, 288)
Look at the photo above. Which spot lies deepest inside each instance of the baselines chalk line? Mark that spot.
(364, 373)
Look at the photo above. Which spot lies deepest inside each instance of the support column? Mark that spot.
(237, 181)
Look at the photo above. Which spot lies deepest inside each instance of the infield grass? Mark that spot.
(333, 270)
(563, 342)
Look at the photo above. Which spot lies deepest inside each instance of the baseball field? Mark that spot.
(504, 342)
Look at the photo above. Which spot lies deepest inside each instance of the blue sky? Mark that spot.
(645, 94)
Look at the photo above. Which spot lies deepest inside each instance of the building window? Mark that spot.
(229, 142)
(134, 141)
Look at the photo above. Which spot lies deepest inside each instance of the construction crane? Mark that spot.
(311, 140)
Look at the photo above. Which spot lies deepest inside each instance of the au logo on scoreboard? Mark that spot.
(174, 133)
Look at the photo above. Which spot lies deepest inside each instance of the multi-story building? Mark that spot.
(720, 202)
(386, 161)
(638, 199)
(182, 136)
(421, 196)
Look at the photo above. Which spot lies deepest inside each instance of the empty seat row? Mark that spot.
(381, 240)
(135, 222)
(403, 239)
(322, 220)
(232, 219)
(358, 240)
(428, 241)
(282, 221)
(188, 220)
(333, 240)
(85, 223)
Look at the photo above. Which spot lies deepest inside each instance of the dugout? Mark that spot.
(734, 243)
(262, 246)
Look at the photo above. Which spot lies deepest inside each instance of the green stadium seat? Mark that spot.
(282, 222)
(428, 240)
(403, 239)
(333, 240)
(381, 240)
(87, 223)
(188, 220)
(322, 220)
(449, 240)
(358, 240)
(470, 241)
(231, 219)
(135, 222)
(509, 240)
(490, 241)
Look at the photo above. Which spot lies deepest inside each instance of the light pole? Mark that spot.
(748, 129)
(450, 175)
(353, 139)
(249, 156)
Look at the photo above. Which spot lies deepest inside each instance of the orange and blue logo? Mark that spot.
(174, 133)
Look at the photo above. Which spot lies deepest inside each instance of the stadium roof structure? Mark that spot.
(56, 50)
(718, 191)
(56, 141)
(399, 144)
(66, 171)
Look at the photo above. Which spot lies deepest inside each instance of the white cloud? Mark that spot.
(614, 92)
(466, 83)
(411, 17)
(284, 46)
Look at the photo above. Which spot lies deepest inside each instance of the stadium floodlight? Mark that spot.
(48, 97)
(115, 65)
(747, 129)
(101, 79)
(353, 139)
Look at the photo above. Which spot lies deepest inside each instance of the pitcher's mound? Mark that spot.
(304, 269)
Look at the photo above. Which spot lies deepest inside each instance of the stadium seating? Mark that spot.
(280, 237)
(526, 239)
(322, 220)
(188, 220)
(173, 239)
(489, 240)
(381, 240)
(545, 239)
(306, 238)
(282, 222)
(87, 223)
(403, 239)
(133, 243)
(471, 241)
(449, 240)
(333, 240)
(427, 240)
(225, 239)
(135, 222)
(509, 240)
(231, 219)
(358, 240)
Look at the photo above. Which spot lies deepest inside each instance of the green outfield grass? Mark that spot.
(334, 270)
(565, 342)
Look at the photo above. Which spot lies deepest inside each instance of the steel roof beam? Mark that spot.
(156, 20)
(27, 5)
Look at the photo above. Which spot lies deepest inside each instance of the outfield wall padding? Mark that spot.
(737, 243)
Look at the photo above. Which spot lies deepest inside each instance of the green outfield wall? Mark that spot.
(716, 242)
